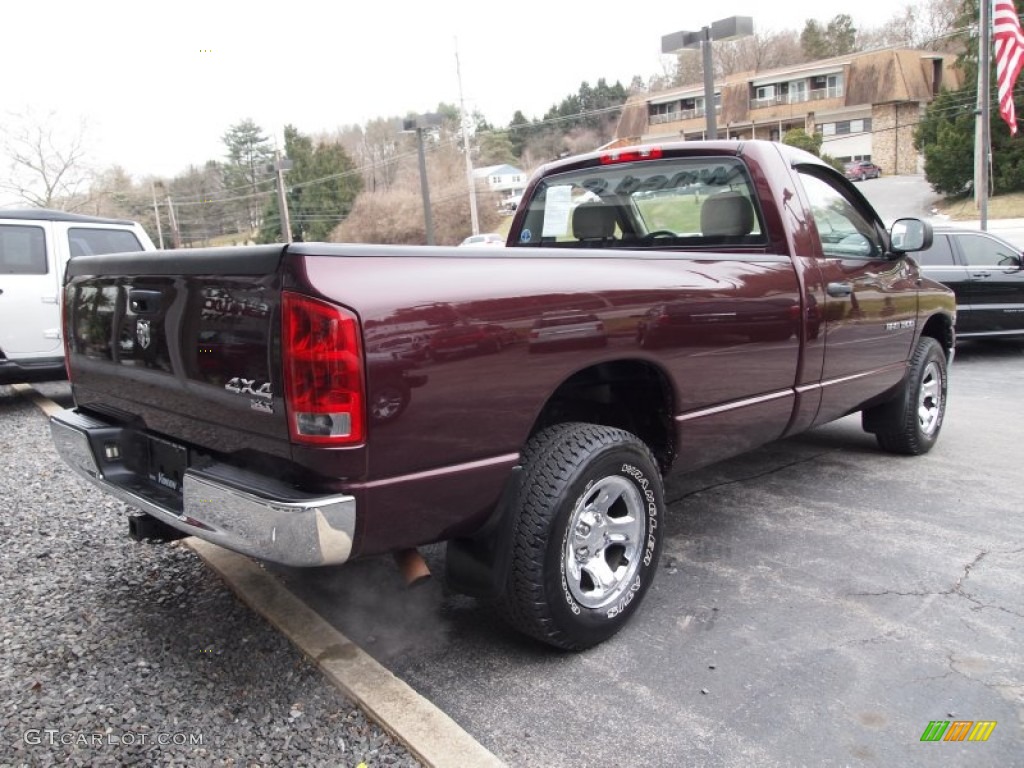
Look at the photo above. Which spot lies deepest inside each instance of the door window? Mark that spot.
(981, 251)
(939, 255)
(843, 230)
(22, 250)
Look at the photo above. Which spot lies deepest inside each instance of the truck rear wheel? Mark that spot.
(586, 536)
(910, 423)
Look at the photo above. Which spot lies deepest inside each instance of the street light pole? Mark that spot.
(417, 124)
(710, 118)
(425, 188)
(722, 30)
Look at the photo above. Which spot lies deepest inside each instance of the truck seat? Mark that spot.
(727, 214)
(593, 221)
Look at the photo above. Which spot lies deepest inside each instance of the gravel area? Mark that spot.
(120, 653)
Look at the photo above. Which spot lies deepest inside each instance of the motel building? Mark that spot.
(864, 105)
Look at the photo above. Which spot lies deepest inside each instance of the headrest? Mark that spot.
(593, 221)
(726, 214)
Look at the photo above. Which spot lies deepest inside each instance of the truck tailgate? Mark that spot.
(182, 342)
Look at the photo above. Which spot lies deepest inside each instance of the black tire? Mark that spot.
(555, 598)
(910, 423)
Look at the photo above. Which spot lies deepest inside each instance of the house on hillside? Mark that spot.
(864, 105)
(506, 181)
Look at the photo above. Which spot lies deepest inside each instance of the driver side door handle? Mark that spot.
(839, 289)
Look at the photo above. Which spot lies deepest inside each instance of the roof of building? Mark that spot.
(497, 170)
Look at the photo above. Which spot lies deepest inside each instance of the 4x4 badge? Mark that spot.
(241, 386)
(142, 333)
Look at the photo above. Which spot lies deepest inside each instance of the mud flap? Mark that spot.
(478, 566)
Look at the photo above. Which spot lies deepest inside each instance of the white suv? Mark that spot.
(35, 245)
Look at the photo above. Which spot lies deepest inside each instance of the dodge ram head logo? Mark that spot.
(142, 333)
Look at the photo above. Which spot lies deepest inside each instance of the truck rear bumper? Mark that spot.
(218, 503)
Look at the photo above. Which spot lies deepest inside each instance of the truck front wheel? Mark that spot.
(910, 423)
(586, 535)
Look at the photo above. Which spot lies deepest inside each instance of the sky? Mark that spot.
(157, 84)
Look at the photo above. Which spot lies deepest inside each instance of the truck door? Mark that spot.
(29, 287)
(870, 298)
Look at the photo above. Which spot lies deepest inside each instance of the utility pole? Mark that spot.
(282, 165)
(156, 212)
(174, 223)
(474, 219)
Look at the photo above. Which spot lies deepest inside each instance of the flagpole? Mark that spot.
(983, 138)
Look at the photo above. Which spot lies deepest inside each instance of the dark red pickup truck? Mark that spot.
(656, 309)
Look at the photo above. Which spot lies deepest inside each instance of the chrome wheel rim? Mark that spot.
(386, 404)
(929, 399)
(603, 542)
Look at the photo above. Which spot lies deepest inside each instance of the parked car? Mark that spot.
(35, 245)
(463, 340)
(861, 170)
(561, 330)
(489, 238)
(985, 272)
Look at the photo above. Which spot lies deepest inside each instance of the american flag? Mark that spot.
(1009, 57)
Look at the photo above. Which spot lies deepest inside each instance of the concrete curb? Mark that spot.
(433, 737)
(45, 404)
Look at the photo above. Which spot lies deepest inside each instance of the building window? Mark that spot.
(828, 129)
(797, 91)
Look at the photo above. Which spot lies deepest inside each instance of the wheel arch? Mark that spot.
(941, 328)
(631, 394)
(634, 395)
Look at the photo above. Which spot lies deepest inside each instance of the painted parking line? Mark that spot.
(427, 732)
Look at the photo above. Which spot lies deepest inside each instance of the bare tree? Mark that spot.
(47, 165)
(756, 53)
(930, 24)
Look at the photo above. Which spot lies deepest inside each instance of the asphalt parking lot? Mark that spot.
(819, 603)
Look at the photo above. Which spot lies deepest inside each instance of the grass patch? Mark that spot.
(1009, 205)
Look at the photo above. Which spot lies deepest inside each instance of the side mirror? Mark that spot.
(908, 235)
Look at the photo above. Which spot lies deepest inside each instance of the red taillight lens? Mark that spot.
(630, 155)
(65, 328)
(323, 372)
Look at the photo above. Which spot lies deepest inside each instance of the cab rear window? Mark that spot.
(677, 202)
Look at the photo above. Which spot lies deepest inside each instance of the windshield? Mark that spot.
(681, 202)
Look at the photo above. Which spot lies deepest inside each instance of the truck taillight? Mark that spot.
(323, 372)
(65, 329)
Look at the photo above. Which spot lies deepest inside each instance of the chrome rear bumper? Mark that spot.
(219, 503)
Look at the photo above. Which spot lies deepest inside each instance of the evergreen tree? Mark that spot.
(837, 38)
(322, 185)
(248, 171)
